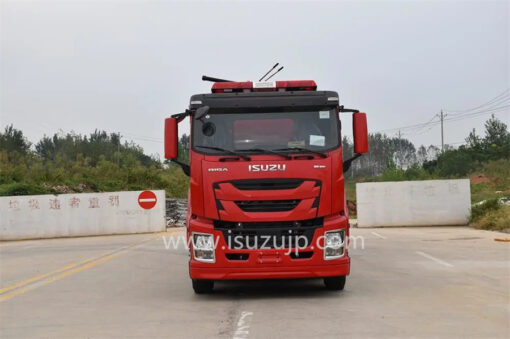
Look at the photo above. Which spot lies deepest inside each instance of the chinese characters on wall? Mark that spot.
(57, 203)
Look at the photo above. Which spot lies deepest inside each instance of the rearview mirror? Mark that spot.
(201, 112)
(360, 131)
(171, 138)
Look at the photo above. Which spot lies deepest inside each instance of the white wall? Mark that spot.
(414, 203)
(65, 215)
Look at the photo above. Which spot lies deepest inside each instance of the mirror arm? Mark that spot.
(341, 109)
(347, 163)
(181, 116)
(185, 167)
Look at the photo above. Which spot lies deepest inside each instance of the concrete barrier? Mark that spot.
(67, 215)
(414, 203)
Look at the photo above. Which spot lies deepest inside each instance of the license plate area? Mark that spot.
(268, 258)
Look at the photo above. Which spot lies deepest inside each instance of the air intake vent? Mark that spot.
(267, 184)
(267, 205)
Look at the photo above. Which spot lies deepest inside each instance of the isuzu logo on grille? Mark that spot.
(266, 168)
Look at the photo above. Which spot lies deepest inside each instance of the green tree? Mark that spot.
(13, 140)
(184, 146)
(496, 132)
(473, 140)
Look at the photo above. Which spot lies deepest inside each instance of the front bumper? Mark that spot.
(281, 272)
(268, 263)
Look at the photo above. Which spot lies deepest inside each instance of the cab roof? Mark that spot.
(265, 99)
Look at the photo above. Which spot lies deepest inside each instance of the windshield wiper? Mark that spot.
(304, 150)
(286, 156)
(225, 150)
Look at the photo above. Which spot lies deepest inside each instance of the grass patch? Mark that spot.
(483, 191)
(499, 172)
(494, 219)
(22, 188)
(480, 210)
(494, 177)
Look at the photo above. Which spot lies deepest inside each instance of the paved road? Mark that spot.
(414, 282)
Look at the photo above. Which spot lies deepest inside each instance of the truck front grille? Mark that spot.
(267, 184)
(279, 234)
(267, 205)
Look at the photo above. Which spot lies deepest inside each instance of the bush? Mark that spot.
(481, 209)
(499, 172)
(21, 188)
(455, 163)
(412, 173)
(393, 174)
(495, 220)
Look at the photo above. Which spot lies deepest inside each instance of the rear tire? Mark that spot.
(335, 283)
(202, 286)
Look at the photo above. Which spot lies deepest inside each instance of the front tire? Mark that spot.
(335, 283)
(202, 286)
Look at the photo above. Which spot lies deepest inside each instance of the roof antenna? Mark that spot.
(206, 78)
(269, 71)
(272, 75)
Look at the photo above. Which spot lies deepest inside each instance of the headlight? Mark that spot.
(334, 243)
(203, 247)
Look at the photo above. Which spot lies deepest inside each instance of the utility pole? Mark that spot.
(399, 149)
(442, 134)
(442, 116)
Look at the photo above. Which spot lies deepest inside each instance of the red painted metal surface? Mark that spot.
(171, 138)
(253, 268)
(213, 196)
(207, 170)
(359, 127)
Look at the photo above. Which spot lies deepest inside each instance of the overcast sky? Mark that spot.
(124, 66)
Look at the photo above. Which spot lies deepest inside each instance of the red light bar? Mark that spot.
(247, 86)
(226, 87)
(297, 85)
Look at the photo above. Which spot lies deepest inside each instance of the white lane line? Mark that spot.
(439, 261)
(378, 235)
(243, 325)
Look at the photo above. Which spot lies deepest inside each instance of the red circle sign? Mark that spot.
(147, 200)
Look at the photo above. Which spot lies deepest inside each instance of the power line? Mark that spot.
(501, 101)
(453, 118)
(427, 123)
(405, 127)
(478, 113)
(493, 100)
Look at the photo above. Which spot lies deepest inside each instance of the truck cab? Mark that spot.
(266, 197)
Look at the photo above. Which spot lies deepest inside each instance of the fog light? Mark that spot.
(203, 247)
(334, 242)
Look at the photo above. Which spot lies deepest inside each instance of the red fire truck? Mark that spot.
(266, 197)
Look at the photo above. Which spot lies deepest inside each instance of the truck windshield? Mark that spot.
(314, 130)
